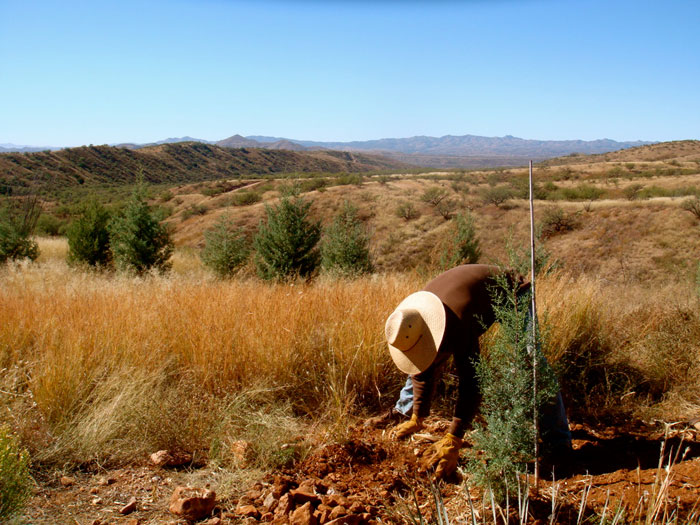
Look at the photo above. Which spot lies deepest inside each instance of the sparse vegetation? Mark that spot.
(15, 487)
(407, 211)
(434, 195)
(693, 206)
(463, 244)
(497, 195)
(555, 220)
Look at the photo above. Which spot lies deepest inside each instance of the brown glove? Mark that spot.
(443, 456)
(407, 428)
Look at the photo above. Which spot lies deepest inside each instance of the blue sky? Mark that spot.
(75, 73)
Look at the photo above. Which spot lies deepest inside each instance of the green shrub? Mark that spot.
(226, 248)
(434, 195)
(15, 487)
(555, 220)
(50, 225)
(88, 237)
(497, 195)
(345, 248)
(464, 246)
(245, 198)
(506, 440)
(139, 242)
(17, 225)
(692, 205)
(190, 211)
(631, 192)
(286, 243)
(446, 208)
(584, 192)
(407, 211)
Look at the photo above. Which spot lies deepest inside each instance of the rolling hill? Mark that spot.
(178, 162)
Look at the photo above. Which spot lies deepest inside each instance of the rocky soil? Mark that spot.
(368, 478)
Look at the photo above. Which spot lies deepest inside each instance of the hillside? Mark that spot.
(174, 163)
(678, 150)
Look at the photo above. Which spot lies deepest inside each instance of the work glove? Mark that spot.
(443, 456)
(407, 428)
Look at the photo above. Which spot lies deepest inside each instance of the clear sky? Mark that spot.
(99, 72)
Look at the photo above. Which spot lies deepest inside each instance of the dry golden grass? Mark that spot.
(101, 367)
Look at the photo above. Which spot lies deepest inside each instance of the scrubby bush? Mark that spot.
(194, 209)
(245, 198)
(555, 220)
(407, 211)
(88, 237)
(286, 243)
(49, 224)
(584, 192)
(15, 487)
(345, 247)
(226, 248)
(17, 225)
(692, 205)
(497, 195)
(463, 247)
(139, 242)
(446, 208)
(434, 195)
(631, 192)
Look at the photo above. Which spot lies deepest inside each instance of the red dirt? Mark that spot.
(372, 477)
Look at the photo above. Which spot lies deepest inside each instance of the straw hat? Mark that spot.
(414, 331)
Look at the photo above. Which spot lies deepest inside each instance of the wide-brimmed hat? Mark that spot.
(414, 331)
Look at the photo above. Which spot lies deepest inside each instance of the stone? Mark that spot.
(304, 494)
(303, 515)
(356, 508)
(248, 511)
(213, 521)
(337, 512)
(241, 451)
(95, 522)
(269, 503)
(96, 501)
(337, 499)
(284, 506)
(268, 516)
(166, 458)
(67, 481)
(192, 503)
(94, 490)
(133, 521)
(281, 486)
(129, 507)
(350, 519)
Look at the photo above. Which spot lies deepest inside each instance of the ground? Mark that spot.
(374, 478)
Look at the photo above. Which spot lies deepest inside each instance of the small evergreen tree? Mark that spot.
(345, 248)
(139, 242)
(464, 246)
(17, 224)
(226, 248)
(504, 372)
(88, 237)
(286, 243)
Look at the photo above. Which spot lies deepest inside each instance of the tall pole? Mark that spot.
(533, 324)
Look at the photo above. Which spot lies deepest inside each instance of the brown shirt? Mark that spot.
(466, 293)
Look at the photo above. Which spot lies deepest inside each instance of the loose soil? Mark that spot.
(369, 478)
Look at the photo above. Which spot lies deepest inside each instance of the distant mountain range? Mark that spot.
(446, 151)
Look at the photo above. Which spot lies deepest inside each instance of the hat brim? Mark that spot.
(422, 354)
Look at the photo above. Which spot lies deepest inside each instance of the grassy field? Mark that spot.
(103, 368)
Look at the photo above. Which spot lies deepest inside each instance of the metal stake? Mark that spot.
(534, 334)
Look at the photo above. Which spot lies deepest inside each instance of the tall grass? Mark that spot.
(102, 367)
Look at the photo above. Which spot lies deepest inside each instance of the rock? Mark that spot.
(248, 511)
(95, 522)
(103, 482)
(129, 507)
(304, 494)
(268, 516)
(67, 481)
(241, 451)
(356, 508)
(337, 512)
(303, 515)
(281, 486)
(284, 506)
(96, 501)
(133, 521)
(192, 503)
(213, 521)
(350, 519)
(166, 458)
(94, 490)
(336, 499)
(269, 503)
